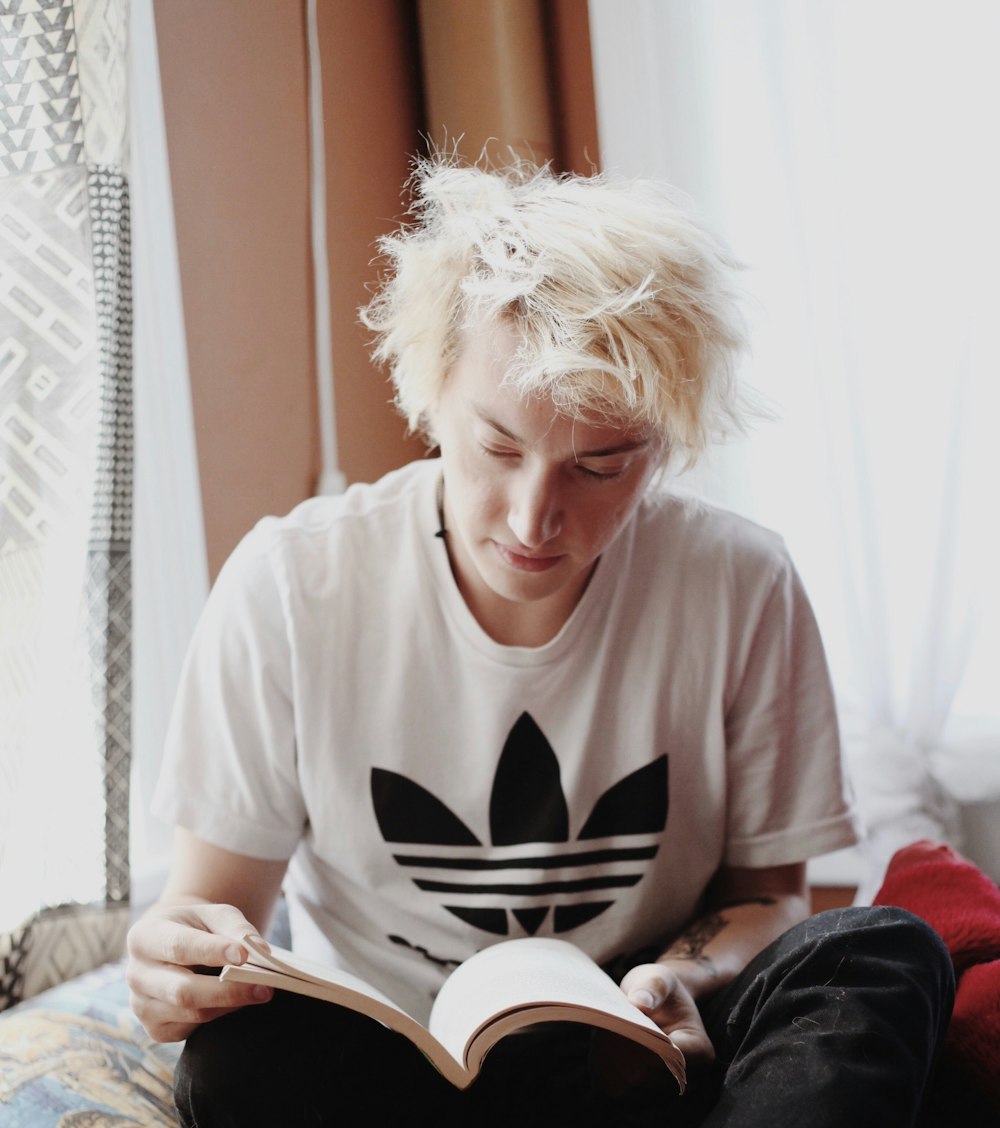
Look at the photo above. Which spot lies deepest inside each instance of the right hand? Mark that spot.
(169, 950)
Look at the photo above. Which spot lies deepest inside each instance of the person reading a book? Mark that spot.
(526, 686)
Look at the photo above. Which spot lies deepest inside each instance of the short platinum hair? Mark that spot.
(625, 302)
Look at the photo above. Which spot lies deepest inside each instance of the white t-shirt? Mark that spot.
(437, 791)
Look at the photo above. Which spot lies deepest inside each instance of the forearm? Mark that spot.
(716, 947)
(203, 874)
(747, 909)
(175, 900)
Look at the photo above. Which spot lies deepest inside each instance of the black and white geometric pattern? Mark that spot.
(57, 944)
(109, 579)
(13, 957)
(41, 116)
(102, 34)
(65, 470)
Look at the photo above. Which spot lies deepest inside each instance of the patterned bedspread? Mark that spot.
(76, 1057)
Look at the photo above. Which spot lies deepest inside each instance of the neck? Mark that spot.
(512, 623)
(506, 621)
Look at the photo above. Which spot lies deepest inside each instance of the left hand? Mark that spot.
(659, 991)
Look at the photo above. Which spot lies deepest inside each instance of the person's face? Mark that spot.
(532, 497)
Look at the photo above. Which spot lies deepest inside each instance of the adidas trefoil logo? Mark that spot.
(533, 866)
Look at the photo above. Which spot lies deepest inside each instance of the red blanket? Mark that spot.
(963, 906)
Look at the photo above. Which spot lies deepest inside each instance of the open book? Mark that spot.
(503, 988)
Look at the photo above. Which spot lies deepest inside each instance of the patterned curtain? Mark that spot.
(65, 489)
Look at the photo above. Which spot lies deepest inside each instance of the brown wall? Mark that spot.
(234, 83)
(235, 102)
(510, 77)
(374, 113)
(234, 99)
(571, 71)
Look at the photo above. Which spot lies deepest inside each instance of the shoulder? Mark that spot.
(365, 513)
(362, 505)
(699, 535)
(311, 551)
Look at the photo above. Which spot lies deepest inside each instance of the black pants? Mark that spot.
(835, 1025)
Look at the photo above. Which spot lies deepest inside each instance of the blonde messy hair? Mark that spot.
(624, 301)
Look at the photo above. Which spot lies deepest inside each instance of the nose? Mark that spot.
(535, 512)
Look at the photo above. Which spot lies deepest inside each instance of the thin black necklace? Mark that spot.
(442, 531)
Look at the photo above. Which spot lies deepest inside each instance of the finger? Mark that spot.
(659, 993)
(188, 991)
(648, 986)
(173, 998)
(188, 942)
(226, 920)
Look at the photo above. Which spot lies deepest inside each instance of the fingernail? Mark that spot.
(641, 998)
(234, 955)
(262, 994)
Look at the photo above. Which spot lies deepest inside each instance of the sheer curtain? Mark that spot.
(65, 490)
(170, 580)
(844, 150)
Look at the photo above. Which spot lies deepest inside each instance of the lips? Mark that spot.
(522, 563)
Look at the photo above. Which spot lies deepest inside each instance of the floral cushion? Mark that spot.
(76, 1057)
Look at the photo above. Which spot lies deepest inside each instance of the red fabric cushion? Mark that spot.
(962, 905)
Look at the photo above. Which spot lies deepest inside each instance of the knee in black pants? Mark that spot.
(837, 1022)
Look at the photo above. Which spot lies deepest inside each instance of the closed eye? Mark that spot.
(601, 475)
(495, 452)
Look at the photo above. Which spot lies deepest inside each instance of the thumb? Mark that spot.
(646, 987)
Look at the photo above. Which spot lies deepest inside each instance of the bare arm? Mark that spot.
(747, 909)
(211, 900)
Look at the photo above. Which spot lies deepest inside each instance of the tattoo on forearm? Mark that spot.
(690, 945)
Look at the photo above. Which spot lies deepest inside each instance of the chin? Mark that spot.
(528, 588)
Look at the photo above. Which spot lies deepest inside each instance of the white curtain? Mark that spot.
(65, 489)
(846, 151)
(94, 620)
(170, 581)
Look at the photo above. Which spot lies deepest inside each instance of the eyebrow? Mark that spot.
(625, 447)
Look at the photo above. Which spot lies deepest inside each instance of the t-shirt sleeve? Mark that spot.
(789, 796)
(229, 769)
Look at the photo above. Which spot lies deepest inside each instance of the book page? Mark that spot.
(518, 974)
(280, 959)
